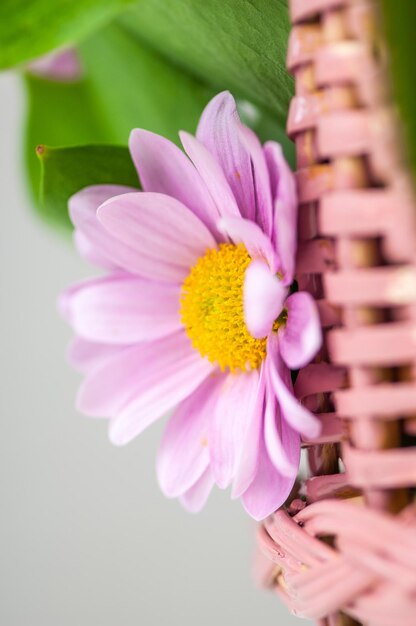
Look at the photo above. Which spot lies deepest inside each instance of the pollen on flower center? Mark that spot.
(212, 309)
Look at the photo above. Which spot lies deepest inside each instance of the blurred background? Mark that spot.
(86, 537)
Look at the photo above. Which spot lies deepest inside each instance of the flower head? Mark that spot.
(60, 65)
(195, 314)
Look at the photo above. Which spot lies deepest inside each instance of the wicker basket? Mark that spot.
(345, 552)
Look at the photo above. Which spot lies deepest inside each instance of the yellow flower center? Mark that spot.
(212, 309)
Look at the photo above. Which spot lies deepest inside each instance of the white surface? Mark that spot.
(86, 538)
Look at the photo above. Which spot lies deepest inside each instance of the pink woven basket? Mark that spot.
(343, 550)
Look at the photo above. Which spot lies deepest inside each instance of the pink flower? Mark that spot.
(195, 312)
(60, 65)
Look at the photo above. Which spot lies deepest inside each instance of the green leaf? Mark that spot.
(67, 170)
(238, 45)
(59, 114)
(131, 85)
(126, 85)
(145, 91)
(30, 28)
(399, 21)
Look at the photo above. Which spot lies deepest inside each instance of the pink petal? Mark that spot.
(301, 337)
(137, 375)
(297, 416)
(63, 302)
(169, 373)
(250, 234)
(282, 442)
(269, 489)
(218, 130)
(212, 175)
(167, 238)
(247, 467)
(123, 309)
(234, 411)
(196, 497)
(164, 168)
(264, 295)
(183, 453)
(85, 355)
(91, 253)
(59, 65)
(263, 197)
(285, 208)
(96, 241)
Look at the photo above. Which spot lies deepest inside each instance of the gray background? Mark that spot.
(86, 538)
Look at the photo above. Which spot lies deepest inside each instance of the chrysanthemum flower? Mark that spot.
(195, 313)
(60, 65)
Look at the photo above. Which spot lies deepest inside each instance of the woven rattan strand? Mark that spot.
(343, 550)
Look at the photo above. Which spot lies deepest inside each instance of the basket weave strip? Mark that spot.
(357, 256)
